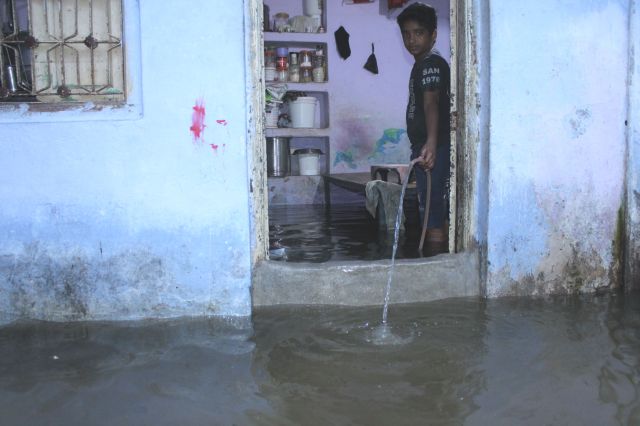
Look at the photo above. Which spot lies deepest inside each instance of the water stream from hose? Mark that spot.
(396, 235)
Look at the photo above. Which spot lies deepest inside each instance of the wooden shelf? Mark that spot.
(296, 133)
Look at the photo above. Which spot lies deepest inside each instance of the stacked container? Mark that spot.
(269, 64)
(282, 64)
(294, 68)
(306, 66)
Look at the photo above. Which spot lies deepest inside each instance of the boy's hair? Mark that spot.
(421, 13)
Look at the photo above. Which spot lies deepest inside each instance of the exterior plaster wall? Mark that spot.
(135, 217)
(632, 264)
(557, 145)
(131, 218)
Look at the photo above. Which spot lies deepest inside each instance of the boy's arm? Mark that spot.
(431, 112)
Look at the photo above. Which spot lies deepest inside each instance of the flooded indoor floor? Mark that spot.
(559, 361)
(315, 233)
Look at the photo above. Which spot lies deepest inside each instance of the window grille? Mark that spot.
(61, 50)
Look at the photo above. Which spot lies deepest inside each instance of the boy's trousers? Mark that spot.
(439, 207)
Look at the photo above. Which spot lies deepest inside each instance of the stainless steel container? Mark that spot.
(278, 156)
(10, 78)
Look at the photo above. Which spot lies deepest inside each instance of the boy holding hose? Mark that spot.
(428, 117)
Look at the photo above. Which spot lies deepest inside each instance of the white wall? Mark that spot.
(130, 218)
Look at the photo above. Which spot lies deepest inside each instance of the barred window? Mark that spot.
(61, 51)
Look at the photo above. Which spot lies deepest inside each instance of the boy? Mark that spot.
(428, 116)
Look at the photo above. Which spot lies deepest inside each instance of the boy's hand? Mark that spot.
(428, 155)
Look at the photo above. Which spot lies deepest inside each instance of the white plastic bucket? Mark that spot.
(311, 7)
(308, 161)
(303, 112)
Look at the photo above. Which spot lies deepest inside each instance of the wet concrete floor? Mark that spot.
(558, 361)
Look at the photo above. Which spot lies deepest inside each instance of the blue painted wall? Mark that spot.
(632, 266)
(557, 144)
(133, 217)
(125, 215)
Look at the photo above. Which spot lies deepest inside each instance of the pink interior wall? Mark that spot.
(367, 110)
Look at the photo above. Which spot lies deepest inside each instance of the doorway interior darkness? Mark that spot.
(465, 130)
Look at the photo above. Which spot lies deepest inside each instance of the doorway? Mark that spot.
(463, 155)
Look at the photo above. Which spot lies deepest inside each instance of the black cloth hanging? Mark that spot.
(372, 63)
(342, 42)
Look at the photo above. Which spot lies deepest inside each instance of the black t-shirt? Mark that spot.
(430, 74)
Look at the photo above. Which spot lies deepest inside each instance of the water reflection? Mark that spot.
(619, 377)
(343, 232)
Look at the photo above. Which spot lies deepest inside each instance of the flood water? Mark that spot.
(552, 361)
(313, 233)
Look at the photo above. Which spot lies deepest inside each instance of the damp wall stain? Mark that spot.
(39, 284)
(116, 272)
(558, 245)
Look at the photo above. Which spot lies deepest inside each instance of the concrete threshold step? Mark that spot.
(363, 283)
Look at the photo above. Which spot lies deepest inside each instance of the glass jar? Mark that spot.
(281, 22)
(294, 73)
(282, 51)
(306, 74)
(318, 75)
(305, 59)
(318, 65)
(318, 57)
(294, 68)
(270, 74)
(269, 57)
(282, 75)
(293, 58)
(282, 63)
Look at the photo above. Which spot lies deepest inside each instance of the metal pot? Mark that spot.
(278, 156)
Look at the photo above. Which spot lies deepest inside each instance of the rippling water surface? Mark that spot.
(307, 233)
(558, 361)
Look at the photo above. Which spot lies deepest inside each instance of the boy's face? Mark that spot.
(417, 39)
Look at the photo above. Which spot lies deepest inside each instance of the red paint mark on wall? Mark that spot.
(222, 122)
(197, 120)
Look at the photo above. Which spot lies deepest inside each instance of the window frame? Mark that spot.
(128, 109)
